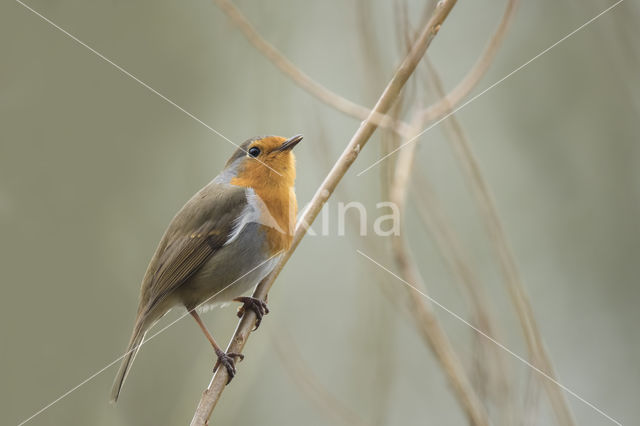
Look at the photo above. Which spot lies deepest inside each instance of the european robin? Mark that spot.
(222, 242)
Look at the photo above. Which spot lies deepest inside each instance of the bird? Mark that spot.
(221, 243)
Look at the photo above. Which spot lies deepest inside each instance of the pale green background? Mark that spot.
(93, 166)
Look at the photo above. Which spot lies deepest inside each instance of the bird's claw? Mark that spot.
(258, 306)
(228, 361)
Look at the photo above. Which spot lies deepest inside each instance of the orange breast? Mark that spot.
(278, 209)
(283, 207)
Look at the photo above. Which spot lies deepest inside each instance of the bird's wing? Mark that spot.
(197, 231)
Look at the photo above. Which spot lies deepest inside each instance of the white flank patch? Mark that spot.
(255, 211)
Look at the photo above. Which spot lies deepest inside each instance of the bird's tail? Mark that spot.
(139, 330)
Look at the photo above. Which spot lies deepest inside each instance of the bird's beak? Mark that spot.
(290, 143)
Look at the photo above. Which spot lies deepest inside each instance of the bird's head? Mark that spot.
(264, 161)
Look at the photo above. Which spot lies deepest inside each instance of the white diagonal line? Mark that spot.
(128, 74)
(91, 377)
(500, 345)
(490, 87)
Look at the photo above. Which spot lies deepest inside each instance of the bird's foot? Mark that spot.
(256, 305)
(228, 361)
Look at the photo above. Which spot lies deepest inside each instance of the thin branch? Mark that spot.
(480, 189)
(212, 394)
(464, 87)
(426, 320)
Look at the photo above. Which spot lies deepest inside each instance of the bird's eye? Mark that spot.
(254, 151)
